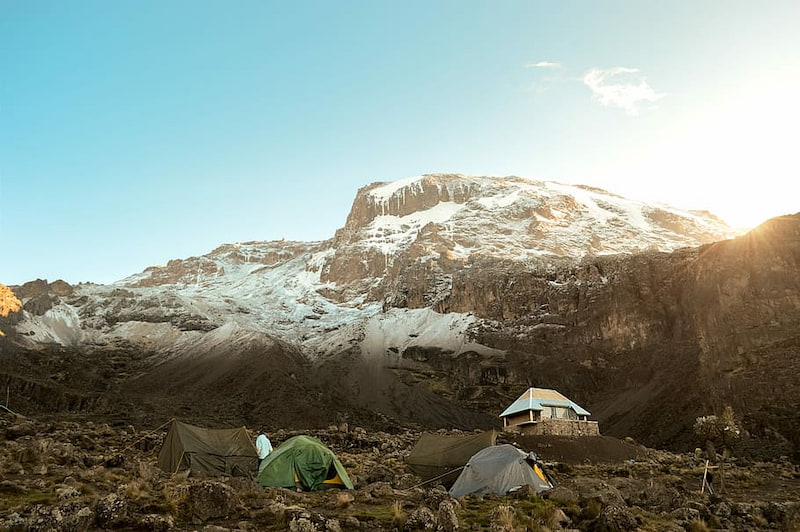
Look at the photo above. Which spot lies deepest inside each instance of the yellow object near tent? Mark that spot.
(334, 482)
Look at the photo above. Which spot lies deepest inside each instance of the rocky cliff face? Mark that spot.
(650, 340)
(440, 298)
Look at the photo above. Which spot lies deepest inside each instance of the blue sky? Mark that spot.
(133, 132)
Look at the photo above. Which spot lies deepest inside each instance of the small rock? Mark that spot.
(66, 493)
(685, 514)
(447, 518)
(436, 495)
(111, 510)
(561, 518)
(115, 461)
(26, 428)
(617, 518)
(156, 522)
(379, 489)
(380, 473)
(14, 522)
(211, 500)
(721, 510)
(422, 518)
(13, 488)
(301, 524)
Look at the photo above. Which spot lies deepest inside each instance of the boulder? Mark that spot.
(616, 518)
(447, 518)
(111, 511)
(208, 499)
(422, 518)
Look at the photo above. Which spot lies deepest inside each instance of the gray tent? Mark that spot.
(500, 469)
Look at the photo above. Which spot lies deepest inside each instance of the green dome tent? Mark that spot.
(303, 461)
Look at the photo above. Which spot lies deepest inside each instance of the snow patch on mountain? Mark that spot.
(148, 335)
(383, 193)
(500, 201)
(390, 233)
(398, 329)
(60, 324)
(229, 337)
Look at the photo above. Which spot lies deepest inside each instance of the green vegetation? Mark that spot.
(718, 432)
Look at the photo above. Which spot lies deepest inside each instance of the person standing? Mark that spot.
(263, 448)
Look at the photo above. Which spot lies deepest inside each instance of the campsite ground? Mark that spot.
(84, 475)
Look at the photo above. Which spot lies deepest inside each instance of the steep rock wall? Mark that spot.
(648, 341)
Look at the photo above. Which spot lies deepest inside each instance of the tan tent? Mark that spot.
(436, 455)
(208, 451)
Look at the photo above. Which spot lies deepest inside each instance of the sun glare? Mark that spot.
(737, 159)
(753, 143)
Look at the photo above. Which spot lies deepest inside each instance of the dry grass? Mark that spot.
(545, 514)
(175, 497)
(591, 510)
(761, 522)
(146, 471)
(698, 525)
(399, 516)
(100, 475)
(506, 518)
(138, 489)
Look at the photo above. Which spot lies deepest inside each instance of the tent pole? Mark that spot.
(4, 407)
(146, 435)
(705, 472)
(179, 463)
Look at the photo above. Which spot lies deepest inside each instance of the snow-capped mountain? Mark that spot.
(325, 296)
(440, 298)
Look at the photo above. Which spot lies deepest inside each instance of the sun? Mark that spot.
(752, 141)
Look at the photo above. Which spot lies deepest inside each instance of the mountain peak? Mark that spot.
(456, 216)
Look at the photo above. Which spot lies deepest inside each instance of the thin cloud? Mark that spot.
(544, 64)
(620, 87)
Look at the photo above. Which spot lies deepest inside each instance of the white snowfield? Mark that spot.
(257, 293)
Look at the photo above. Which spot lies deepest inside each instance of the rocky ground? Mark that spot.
(78, 475)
